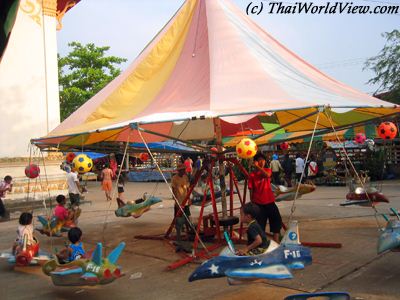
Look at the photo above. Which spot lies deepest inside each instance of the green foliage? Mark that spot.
(82, 73)
(386, 66)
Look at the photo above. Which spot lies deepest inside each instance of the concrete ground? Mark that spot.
(355, 268)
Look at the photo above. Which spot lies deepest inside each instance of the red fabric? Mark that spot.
(314, 170)
(261, 187)
(230, 129)
(188, 165)
(61, 212)
(113, 167)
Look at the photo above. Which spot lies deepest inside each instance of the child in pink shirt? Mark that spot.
(60, 211)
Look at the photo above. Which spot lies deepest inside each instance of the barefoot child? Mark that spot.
(121, 185)
(257, 241)
(24, 231)
(64, 215)
(75, 249)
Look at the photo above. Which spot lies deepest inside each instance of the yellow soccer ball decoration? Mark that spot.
(82, 163)
(246, 148)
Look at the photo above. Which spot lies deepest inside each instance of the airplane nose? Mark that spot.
(117, 273)
(107, 273)
(193, 277)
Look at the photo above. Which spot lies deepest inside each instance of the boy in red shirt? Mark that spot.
(262, 195)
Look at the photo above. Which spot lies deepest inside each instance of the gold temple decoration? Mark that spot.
(33, 9)
(60, 13)
(49, 7)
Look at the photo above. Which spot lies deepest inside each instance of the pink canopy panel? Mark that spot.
(210, 60)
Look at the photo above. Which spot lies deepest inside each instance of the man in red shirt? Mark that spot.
(262, 195)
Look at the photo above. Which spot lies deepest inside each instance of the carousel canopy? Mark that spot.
(302, 136)
(211, 61)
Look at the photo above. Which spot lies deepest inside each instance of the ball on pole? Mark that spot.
(246, 148)
(32, 171)
(387, 131)
(82, 163)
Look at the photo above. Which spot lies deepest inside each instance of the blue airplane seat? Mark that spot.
(321, 296)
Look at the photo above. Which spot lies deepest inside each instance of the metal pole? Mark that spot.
(221, 167)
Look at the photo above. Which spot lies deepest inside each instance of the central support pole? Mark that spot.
(221, 166)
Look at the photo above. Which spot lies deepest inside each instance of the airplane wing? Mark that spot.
(43, 256)
(6, 255)
(278, 271)
(297, 265)
(88, 276)
(355, 202)
(67, 271)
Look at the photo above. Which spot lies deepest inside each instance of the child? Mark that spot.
(120, 185)
(5, 186)
(257, 241)
(25, 230)
(262, 196)
(75, 249)
(62, 214)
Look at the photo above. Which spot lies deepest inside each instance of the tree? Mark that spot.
(386, 66)
(82, 73)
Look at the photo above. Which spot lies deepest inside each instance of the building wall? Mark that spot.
(28, 82)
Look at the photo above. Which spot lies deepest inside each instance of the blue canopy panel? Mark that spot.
(92, 155)
(167, 145)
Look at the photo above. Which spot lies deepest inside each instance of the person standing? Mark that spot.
(189, 166)
(287, 166)
(312, 169)
(5, 186)
(106, 183)
(113, 165)
(299, 167)
(73, 187)
(197, 165)
(262, 195)
(180, 187)
(276, 170)
(121, 186)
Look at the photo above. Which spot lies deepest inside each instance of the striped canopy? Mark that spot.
(302, 136)
(211, 61)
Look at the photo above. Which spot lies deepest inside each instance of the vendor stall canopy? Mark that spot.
(212, 61)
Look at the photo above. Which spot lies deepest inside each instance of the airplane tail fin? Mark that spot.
(97, 254)
(291, 236)
(116, 253)
(42, 220)
(229, 242)
(120, 202)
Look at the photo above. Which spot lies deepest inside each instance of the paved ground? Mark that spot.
(355, 267)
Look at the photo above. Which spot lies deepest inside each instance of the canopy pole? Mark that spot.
(137, 127)
(221, 166)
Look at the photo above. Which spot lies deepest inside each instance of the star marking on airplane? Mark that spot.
(256, 262)
(214, 269)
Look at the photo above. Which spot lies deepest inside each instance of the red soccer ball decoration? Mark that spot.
(360, 138)
(246, 148)
(70, 157)
(144, 156)
(32, 171)
(387, 131)
(284, 146)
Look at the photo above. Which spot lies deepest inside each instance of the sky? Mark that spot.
(337, 44)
